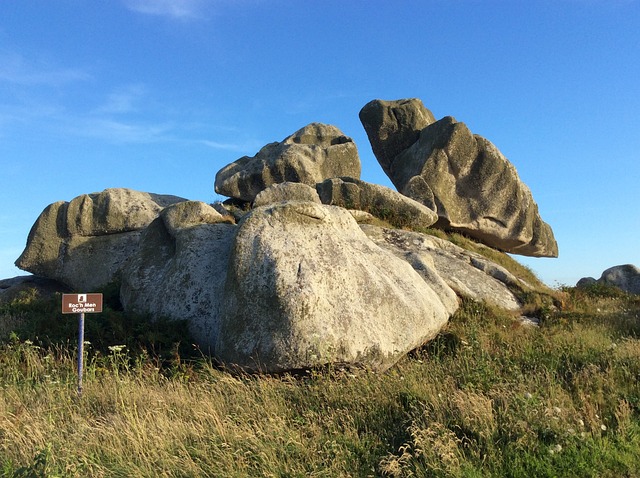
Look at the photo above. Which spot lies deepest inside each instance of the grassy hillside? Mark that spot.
(488, 397)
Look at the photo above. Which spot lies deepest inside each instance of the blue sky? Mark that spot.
(159, 95)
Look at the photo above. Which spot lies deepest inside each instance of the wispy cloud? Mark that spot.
(177, 9)
(123, 100)
(14, 68)
(121, 131)
(247, 147)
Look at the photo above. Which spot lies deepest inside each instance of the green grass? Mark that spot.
(487, 397)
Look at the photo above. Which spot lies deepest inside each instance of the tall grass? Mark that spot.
(487, 397)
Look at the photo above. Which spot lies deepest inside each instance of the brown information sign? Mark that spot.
(81, 303)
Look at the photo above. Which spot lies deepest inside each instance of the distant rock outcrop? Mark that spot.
(462, 176)
(310, 155)
(36, 286)
(84, 243)
(305, 287)
(625, 277)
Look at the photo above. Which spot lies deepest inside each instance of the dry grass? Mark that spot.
(487, 397)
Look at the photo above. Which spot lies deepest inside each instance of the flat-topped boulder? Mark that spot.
(463, 177)
(310, 155)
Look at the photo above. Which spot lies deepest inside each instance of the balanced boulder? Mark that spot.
(463, 177)
(310, 155)
(305, 287)
(84, 243)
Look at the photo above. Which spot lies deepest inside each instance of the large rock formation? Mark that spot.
(310, 155)
(84, 243)
(297, 283)
(179, 269)
(381, 202)
(625, 277)
(462, 176)
(305, 287)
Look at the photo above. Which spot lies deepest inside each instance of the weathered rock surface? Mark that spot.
(286, 191)
(310, 155)
(625, 277)
(305, 287)
(85, 242)
(382, 202)
(467, 273)
(179, 269)
(462, 176)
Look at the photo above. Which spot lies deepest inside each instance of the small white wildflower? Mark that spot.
(603, 427)
(580, 422)
(116, 348)
(555, 449)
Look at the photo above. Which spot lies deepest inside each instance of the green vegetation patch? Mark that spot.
(488, 397)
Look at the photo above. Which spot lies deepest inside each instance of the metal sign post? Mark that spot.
(81, 304)
(80, 351)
